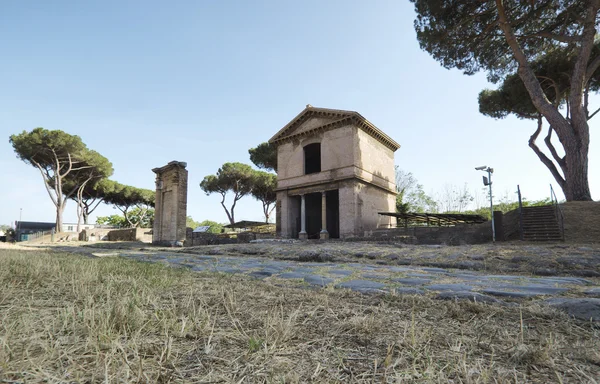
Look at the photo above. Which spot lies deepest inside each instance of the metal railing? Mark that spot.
(36, 236)
(559, 213)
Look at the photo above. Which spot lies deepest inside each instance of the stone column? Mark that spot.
(170, 209)
(302, 235)
(324, 235)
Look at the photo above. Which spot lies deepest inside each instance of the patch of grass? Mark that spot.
(69, 318)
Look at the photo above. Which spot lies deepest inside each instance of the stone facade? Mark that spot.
(171, 204)
(353, 181)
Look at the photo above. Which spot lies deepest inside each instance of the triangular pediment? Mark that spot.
(312, 119)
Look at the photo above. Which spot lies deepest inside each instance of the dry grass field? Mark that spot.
(71, 318)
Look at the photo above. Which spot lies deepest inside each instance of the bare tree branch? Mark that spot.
(554, 36)
(560, 160)
(591, 68)
(46, 182)
(543, 158)
(593, 114)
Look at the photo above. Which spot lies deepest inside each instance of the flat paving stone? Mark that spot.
(303, 270)
(251, 265)
(260, 274)
(412, 281)
(582, 309)
(228, 270)
(362, 285)
(318, 280)
(511, 294)
(408, 291)
(449, 287)
(505, 277)
(593, 292)
(470, 296)
(341, 272)
(204, 258)
(372, 276)
(419, 275)
(318, 265)
(468, 277)
(538, 288)
(563, 280)
(292, 275)
(433, 270)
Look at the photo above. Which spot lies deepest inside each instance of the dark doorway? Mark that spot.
(312, 158)
(313, 215)
(333, 213)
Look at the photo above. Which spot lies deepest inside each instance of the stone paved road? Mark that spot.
(577, 296)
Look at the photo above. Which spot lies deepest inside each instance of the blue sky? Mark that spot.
(148, 82)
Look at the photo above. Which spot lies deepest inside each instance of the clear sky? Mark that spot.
(148, 82)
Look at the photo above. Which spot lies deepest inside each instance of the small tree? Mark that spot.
(114, 220)
(454, 199)
(56, 154)
(85, 180)
(143, 219)
(264, 156)
(263, 190)
(411, 197)
(93, 194)
(213, 226)
(231, 177)
(126, 198)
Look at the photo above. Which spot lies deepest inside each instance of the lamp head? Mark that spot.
(482, 168)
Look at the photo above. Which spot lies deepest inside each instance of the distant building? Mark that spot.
(23, 229)
(335, 173)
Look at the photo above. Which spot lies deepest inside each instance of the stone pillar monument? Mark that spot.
(170, 209)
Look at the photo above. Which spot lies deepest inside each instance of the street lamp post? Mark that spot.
(487, 181)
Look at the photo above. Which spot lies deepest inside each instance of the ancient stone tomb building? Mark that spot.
(335, 172)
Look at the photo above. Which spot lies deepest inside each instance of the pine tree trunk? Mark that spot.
(59, 213)
(577, 186)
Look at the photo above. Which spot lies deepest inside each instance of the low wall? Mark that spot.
(510, 226)
(202, 238)
(94, 234)
(581, 221)
(456, 235)
(131, 234)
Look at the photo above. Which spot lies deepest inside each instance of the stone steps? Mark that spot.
(541, 224)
